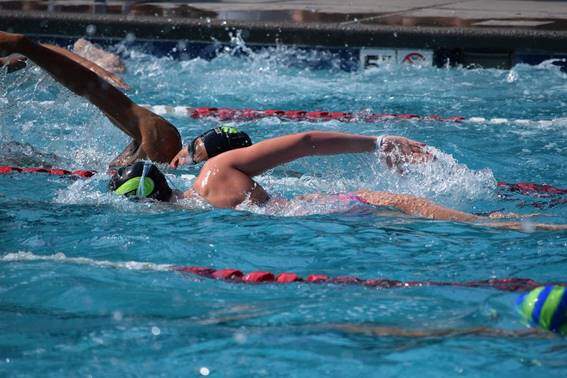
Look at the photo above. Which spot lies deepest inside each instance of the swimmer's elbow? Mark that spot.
(307, 142)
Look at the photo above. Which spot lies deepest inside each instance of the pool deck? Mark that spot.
(497, 28)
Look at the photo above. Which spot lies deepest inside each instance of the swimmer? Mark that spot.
(152, 136)
(99, 61)
(109, 61)
(226, 180)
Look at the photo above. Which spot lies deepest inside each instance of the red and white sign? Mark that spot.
(415, 57)
(373, 58)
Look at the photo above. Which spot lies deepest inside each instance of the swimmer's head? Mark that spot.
(140, 180)
(216, 141)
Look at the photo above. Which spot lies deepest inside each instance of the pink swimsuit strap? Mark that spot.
(346, 197)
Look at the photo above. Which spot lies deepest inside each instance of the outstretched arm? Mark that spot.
(156, 138)
(394, 150)
(270, 153)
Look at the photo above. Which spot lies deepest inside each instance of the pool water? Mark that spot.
(119, 311)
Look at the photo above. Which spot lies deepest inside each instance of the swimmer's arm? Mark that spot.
(270, 153)
(106, 75)
(17, 62)
(158, 139)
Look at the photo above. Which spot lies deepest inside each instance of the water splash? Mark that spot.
(23, 256)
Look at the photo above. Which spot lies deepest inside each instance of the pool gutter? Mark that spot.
(448, 43)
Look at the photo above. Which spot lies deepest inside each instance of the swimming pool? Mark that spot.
(121, 312)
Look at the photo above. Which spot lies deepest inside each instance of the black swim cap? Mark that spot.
(222, 139)
(141, 179)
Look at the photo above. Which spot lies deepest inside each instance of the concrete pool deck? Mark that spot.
(482, 30)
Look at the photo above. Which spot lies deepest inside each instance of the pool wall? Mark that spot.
(356, 44)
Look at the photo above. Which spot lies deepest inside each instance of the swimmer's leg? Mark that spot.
(158, 139)
(421, 207)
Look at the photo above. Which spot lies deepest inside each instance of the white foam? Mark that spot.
(444, 180)
(180, 111)
(159, 109)
(498, 121)
(477, 119)
(23, 256)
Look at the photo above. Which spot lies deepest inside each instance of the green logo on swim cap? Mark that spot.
(130, 187)
(229, 129)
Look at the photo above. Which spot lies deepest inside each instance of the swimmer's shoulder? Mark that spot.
(225, 186)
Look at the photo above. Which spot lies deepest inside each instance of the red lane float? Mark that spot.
(228, 114)
(5, 169)
(530, 187)
(527, 188)
(237, 276)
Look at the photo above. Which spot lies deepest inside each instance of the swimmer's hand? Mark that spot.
(395, 151)
(181, 158)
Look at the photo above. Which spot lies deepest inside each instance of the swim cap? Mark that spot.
(221, 139)
(142, 180)
(545, 307)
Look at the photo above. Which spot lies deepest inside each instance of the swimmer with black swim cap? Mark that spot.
(210, 144)
(141, 180)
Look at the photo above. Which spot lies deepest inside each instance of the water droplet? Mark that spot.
(512, 76)
(204, 371)
(91, 29)
(239, 337)
(155, 331)
(181, 45)
(130, 37)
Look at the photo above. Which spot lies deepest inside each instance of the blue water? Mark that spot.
(120, 312)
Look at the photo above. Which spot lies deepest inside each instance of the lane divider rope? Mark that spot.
(264, 277)
(237, 276)
(231, 114)
(6, 169)
(526, 188)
